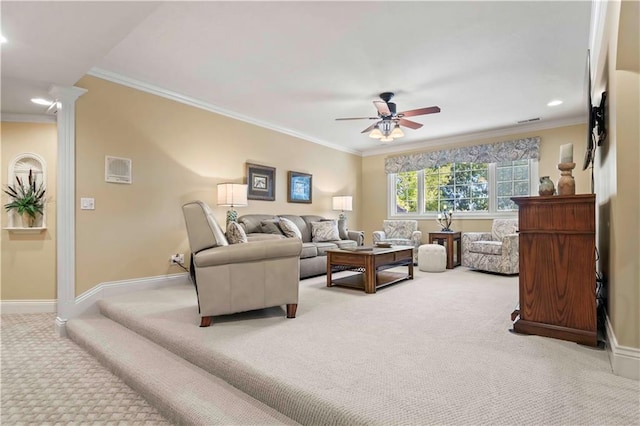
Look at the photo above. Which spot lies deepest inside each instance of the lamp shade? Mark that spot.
(343, 203)
(397, 132)
(232, 194)
(375, 133)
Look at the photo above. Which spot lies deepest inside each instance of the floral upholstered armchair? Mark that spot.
(495, 251)
(400, 233)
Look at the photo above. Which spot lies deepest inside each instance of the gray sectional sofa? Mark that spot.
(313, 259)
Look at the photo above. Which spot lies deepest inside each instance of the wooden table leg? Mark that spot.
(370, 275)
(329, 270)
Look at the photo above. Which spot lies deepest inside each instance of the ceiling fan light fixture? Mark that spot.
(397, 132)
(386, 126)
(376, 133)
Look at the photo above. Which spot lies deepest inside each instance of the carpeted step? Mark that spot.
(182, 392)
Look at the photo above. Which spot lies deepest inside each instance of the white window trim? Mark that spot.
(391, 205)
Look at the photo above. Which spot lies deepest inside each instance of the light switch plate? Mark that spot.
(87, 204)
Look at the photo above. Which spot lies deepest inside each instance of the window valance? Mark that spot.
(519, 149)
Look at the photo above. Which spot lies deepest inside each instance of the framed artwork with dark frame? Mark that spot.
(261, 181)
(299, 188)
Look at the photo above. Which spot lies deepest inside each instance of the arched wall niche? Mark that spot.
(20, 167)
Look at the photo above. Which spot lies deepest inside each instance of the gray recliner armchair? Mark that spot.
(239, 277)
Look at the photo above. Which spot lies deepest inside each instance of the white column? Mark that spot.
(66, 248)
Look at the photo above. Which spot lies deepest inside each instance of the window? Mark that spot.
(473, 189)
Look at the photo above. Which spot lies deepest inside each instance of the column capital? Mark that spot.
(66, 93)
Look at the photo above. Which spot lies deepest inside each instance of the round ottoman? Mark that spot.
(432, 258)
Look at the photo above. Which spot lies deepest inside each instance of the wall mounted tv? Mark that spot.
(596, 122)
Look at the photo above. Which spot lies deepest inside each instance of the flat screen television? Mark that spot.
(595, 122)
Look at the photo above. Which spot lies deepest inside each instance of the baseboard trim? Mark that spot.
(87, 301)
(27, 306)
(625, 360)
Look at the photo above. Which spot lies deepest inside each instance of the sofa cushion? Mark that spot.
(235, 233)
(343, 232)
(303, 225)
(270, 227)
(324, 231)
(289, 229)
(346, 244)
(323, 247)
(486, 247)
(308, 250)
(342, 229)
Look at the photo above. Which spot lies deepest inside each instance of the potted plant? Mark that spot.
(28, 200)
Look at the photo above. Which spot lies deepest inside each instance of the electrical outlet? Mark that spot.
(177, 258)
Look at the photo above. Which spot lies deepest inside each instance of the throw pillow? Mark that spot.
(289, 229)
(270, 227)
(235, 233)
(324, 231)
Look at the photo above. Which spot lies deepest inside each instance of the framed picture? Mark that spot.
(299, 188)
(261, 181)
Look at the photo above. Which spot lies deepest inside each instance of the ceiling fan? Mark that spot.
(389, 121)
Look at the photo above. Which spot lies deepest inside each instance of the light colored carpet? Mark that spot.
(182, 392)
(435, 350)
(50, 380)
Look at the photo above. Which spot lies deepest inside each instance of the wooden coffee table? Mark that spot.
(371, 266)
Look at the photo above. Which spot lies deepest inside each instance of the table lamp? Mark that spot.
(343, 203)
(232, 195)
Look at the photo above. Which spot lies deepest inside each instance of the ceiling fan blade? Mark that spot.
(409, 123)
(358, 118)
(370, 128)
(420, 111)
(382, 107)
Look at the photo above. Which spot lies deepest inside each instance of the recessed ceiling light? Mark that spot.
(554, 103)
(3, 39)
(41, 101)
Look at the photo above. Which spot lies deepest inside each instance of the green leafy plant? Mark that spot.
(27, 199)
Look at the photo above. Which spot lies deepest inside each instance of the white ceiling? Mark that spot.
(296, 66)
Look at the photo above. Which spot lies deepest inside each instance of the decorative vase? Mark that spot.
(28, 221)
(566, 183)
(546, 186)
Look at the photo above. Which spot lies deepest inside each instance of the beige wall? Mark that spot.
(618, 172)
(29, 260)
(374, 188)
(179, 154)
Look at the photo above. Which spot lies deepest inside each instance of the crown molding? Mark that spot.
(430, 143)
(187, 100)
(504, 131)
(28, 118)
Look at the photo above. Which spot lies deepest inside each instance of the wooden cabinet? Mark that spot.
(557, 267)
